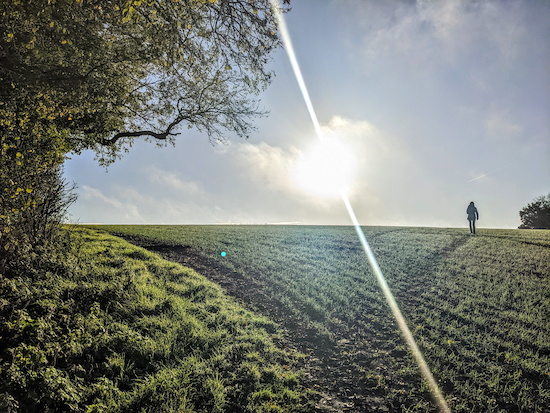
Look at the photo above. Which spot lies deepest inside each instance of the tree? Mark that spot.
(536, 214)
(98, 74)
(108, 72)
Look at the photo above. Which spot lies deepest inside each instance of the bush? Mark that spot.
(34, 196)
(30, 221)
(536, 215)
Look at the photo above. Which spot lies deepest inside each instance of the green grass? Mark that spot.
(108, 327)
(478, 306)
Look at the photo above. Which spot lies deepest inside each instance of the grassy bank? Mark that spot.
(105, 326)
(477, 305)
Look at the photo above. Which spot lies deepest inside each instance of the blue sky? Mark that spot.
(429, 96)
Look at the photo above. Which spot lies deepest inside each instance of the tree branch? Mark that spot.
(120, 135)
(156, 135)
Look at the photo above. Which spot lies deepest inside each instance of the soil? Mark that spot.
(328, 365)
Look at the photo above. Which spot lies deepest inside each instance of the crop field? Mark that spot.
(478, 307)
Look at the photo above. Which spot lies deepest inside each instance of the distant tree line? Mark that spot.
(536, 215)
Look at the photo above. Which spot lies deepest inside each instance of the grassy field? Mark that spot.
(478, 307)
(104, 326)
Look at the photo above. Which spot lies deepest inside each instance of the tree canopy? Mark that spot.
(98, 74)
(536, 214)
(108, 72)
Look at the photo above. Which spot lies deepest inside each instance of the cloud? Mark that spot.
(124, 207)
(269, 166)
(499, 123)
(127, 205)
(363, 136)
(267, 173)
(173, 182)
(428, 34)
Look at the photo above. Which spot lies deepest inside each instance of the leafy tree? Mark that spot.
(98, 74)
(113, 71)
(536, 214)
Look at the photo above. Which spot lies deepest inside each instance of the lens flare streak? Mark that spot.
(425, 370)
(397, 313)
(295, 66)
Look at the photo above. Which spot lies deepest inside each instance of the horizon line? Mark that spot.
(297, 224)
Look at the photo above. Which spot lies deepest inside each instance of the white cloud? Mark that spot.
(271, 167)
(431, 33)
(96, 194)
(124, 206)
(173, 182)
(269, 170)
(127, 205)
(267, 165)
(363, 136)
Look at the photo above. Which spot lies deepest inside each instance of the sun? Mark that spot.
(326, 169)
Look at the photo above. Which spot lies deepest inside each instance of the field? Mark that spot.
(104, 326)
(478, 307)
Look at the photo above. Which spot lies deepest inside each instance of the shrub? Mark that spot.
(536, 215)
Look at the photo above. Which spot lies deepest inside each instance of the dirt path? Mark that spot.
(325, 369)
(331, 367)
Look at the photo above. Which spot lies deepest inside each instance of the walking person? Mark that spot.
(472, 216)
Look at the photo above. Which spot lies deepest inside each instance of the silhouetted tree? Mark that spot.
(536, 214)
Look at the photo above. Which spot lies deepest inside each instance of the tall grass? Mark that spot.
(109, 327)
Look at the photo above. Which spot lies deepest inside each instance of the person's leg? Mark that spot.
(470, 222)
(474, 225)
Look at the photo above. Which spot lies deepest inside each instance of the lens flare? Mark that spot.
(425, 370)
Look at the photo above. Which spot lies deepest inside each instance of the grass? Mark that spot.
(105, 326)
(477, 305)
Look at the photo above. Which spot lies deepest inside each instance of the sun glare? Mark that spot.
(326, 168)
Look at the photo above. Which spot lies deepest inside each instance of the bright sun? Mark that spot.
(326, 168)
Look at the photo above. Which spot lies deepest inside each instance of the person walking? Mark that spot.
(472, 216)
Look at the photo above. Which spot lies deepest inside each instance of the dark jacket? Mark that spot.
(472, 213)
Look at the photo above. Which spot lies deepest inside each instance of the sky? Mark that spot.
(435, 104)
